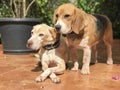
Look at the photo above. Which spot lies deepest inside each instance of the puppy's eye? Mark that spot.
(66, 16)
(57, 15)
(41, 35)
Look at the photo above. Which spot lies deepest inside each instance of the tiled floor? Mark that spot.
(17, 72)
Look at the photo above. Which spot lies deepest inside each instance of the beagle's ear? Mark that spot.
(53, 33)
(78, 21)
(54, 17)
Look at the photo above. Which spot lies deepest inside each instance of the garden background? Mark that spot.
(44, 10)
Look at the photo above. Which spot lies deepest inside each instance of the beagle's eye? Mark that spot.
(41, 35)
(57, 15)
(66, 16)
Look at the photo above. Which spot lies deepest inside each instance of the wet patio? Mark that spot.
(18, 72)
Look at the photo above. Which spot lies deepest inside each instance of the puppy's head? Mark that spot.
(41, 35)
(68, 18)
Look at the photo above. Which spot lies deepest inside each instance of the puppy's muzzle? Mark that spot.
(58, 27)
(29, 44)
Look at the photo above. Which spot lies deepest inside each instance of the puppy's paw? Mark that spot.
(109, 61)
(85, 70)
(56, 80)
(40, 78)
(37, 55)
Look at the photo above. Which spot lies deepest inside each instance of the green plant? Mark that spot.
(45, 9)
(88, 5)
(109, 8)
(4, 9)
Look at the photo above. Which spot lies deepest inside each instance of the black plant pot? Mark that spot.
(15, 32)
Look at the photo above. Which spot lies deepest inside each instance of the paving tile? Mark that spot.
(18, 72)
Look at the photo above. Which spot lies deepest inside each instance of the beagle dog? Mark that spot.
(52, 50)
(83, 31)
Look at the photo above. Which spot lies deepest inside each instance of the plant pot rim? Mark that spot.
(19, 19)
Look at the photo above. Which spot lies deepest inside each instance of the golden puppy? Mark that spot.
(83, 31)
(52, 50)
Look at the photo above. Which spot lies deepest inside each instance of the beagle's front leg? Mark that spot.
(86, 60)
(86, 55)
(73, 56)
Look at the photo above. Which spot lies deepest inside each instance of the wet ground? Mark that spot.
(18, 72)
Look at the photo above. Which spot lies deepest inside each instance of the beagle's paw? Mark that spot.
(85, 70)
(40, 78)
(56, 80)
(76, 66)
(74, 69)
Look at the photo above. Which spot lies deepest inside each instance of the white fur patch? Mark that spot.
(76, 66)
(86, 60)
(50, 56)
(64, 29)
(36, 42)
(84, 42)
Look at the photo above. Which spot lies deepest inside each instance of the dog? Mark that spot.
(52, 50)
(83, 31)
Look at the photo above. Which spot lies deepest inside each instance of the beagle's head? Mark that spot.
(68, 18)
(41, 35)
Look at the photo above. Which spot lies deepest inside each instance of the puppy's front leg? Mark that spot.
(59, 69)
(54, 78)
(86, 60)
(45, 74)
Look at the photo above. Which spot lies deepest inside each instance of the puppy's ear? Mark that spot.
(53, 33)
(78, 21)
(54, 17)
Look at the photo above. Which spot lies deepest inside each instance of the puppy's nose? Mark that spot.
(58, 27)
(29, 44)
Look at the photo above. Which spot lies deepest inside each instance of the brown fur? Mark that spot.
(83, 31)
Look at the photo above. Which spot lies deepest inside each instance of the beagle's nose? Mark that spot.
(58, 27)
